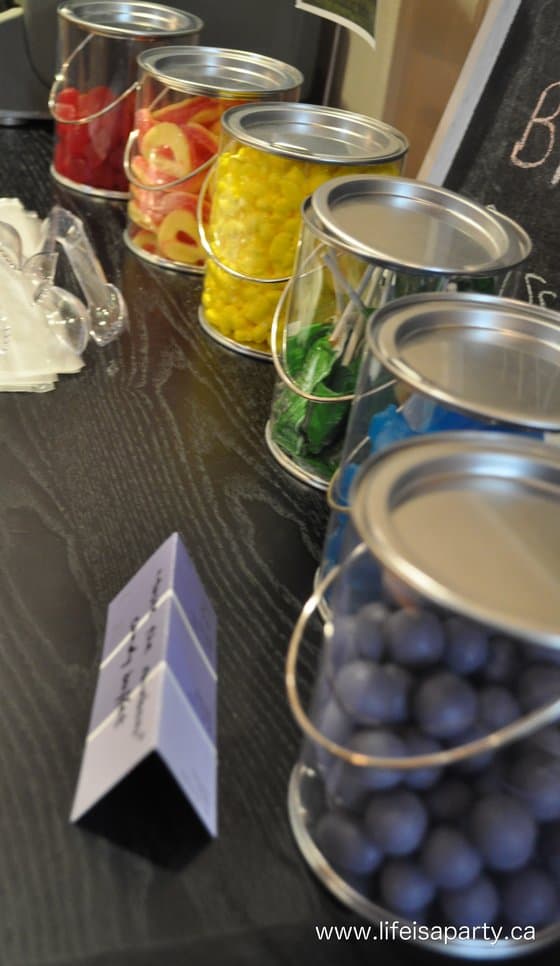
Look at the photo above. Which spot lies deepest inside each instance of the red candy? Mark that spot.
(174, 144)
(92, 153)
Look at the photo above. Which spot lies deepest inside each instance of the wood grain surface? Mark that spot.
(162, 431)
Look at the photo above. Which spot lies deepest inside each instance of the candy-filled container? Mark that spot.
(457, 362)
(93, 96)
(271, 157)
(182, 95)
(428, 787)
(364, 242)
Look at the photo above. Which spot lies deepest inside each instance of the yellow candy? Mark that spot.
(254, 226)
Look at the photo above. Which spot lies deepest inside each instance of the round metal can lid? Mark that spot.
(412, 226)
(312, 133)
(490, 357)
(218, 71)
(471, 522)
(129, 18)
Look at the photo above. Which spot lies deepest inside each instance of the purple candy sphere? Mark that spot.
(373, 693)
(445, 705)
(341, 839)
(405, 887)
(502, 661)
(476, 904)
(449, 858)
(396, 821)
(529, 898)
(414, 637)
(467, 645)
(504, 831)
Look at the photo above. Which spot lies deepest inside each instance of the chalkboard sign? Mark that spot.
(510, 154)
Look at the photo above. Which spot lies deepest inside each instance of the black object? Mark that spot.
(27, 45)
(510, 155)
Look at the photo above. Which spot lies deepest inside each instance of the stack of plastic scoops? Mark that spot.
(44, 328)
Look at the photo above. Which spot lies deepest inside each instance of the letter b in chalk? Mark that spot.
(544, 114)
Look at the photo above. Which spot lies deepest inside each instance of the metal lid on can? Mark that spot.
(129, 18)
(471, 522)
(218, 71)
(312, 133)
(490, 357)
(411, 226)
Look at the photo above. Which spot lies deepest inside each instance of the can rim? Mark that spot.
(231, 124)
(293, 78)
(380, 340)
(398, 473)
(519, 244)
(189, 23)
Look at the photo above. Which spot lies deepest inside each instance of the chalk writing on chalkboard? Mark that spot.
(510, 154)
(537, 293)
(532, 135)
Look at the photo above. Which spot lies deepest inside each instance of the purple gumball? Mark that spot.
(405, 887)
(467, 645)
(445, 705)
(497, 708)
(414, 637)
(535, 780)
(396, 821)
(449, 859)
(502, 662)
(530, 898)
(475, 905)
(341, 839)
(426, 776)
(504, 831)
(373, 693)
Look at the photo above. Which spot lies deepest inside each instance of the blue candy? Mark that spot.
(369, 633)
(529, 898)
(373, 693)
(476, 904)
(341, 839)
(497, 708)
(535, 778)
(445, 705)
(449, 859)
(502, 662)
(396, 821)
(504, 831)
(467, 645)
(415, 637)
(427, 776)
(405, 887)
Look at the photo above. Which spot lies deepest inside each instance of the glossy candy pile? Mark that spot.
(92, 153)
(475, 842)
(254, 226)
(240, 310)
(173, 143)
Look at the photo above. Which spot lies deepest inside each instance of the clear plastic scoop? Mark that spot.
(107, 309)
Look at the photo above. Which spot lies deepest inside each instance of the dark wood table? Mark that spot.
(162, 431)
